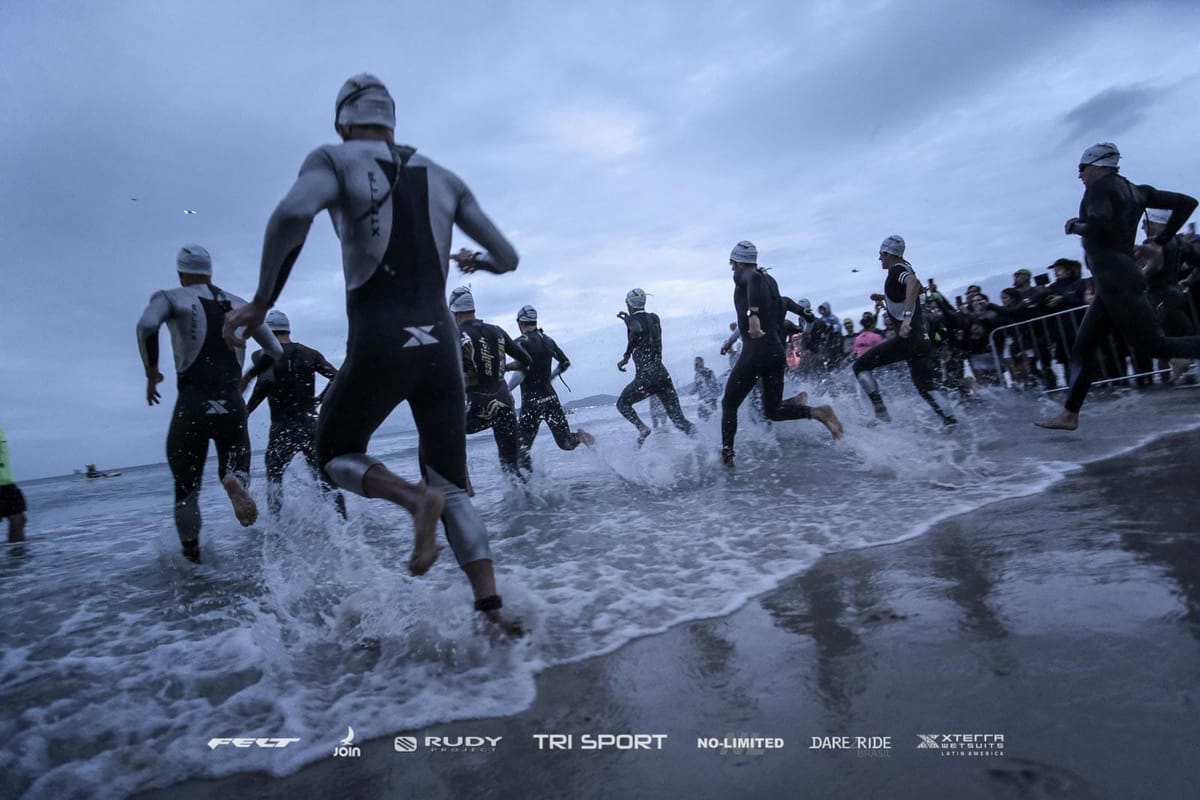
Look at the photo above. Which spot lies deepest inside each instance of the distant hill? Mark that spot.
(591, 402)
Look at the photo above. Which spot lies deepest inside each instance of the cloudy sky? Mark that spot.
(617, 144)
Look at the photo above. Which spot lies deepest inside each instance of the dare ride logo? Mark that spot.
(345, 748)
(864, 746)
(962, 744)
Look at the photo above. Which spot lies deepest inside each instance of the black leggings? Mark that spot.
(754, 364)
(655, 383)
(917, 351)
(201, 415)
(536, 409)
(1128, 312)
(379, 375)
(491, 411)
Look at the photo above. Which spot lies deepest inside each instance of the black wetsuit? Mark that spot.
(708, 391)
(394, 211)
(1109, 214)
(490, 403)
(650, 376)
(539, 401)
(762, 358)
(1170, 302)
(209, 405)
(915, 349)
(288, 389)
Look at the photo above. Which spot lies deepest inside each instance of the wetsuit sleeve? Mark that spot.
(630, 337)
(156, 313)
(499, 255)
(271, 353)
(1180, 205)
(563, 362)
(260, 387)
(516, 351)
(757, 295)
(323, 367)
(315, 189)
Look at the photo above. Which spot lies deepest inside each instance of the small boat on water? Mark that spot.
(92, 472)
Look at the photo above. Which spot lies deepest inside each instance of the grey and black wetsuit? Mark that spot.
(762, 358)
(650, 376)
(915, 348)
(489, 402)
(1108, 221)
(539, 401)
(394, 211)
(288, 389)
(209, 405)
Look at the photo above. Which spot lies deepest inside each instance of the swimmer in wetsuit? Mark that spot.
(12, 502)
(489, 402)
(288, 389)
(394, 211)
(760, 312)
(539, 401)
(650, 376)
(1108, 220)
(209, 405)
(901, 293)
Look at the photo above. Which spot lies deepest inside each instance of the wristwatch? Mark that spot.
(908, 313)
(750, 312)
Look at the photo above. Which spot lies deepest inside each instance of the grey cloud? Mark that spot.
(1110, 113)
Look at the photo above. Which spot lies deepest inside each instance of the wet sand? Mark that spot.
(1067, 622)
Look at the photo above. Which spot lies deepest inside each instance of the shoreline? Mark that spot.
(1082, 659)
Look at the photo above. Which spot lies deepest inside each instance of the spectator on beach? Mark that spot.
(848, 336)
(825, 314)
(868, 337)
(12, 502)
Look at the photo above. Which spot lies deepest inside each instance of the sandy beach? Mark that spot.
(1048, 645)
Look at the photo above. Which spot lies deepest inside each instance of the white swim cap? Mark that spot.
(193, 260)
(893, 245)
(1104, 154)
(364, 100)
(1158, 215)
(278, 321)
(744, 252)
(462, 300)
(636, 298)
(527, 314)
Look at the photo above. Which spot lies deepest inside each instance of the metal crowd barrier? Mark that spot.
(1052, 336)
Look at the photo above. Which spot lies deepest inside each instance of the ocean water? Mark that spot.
(121, 660)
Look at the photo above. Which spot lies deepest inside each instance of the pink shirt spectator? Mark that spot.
(865, 341)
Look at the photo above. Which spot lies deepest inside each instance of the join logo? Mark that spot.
(345, 748)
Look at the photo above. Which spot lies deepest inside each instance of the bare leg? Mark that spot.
(585, 437)
(1066, 421)
(483, 584)
(825, 415)
(425, 505)
(16, 527)
(243, 504)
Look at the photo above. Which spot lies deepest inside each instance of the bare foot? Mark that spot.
(825, 416)
(727, 457)
(1179, 366)
(1066, 421)
(243, 504)
(585, 437)
(426, 514)
(643, 434)
(512, 628)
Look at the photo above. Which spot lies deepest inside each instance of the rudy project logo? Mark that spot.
(345, 748)
(244, 742)
(962, 744)
(449, 744)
